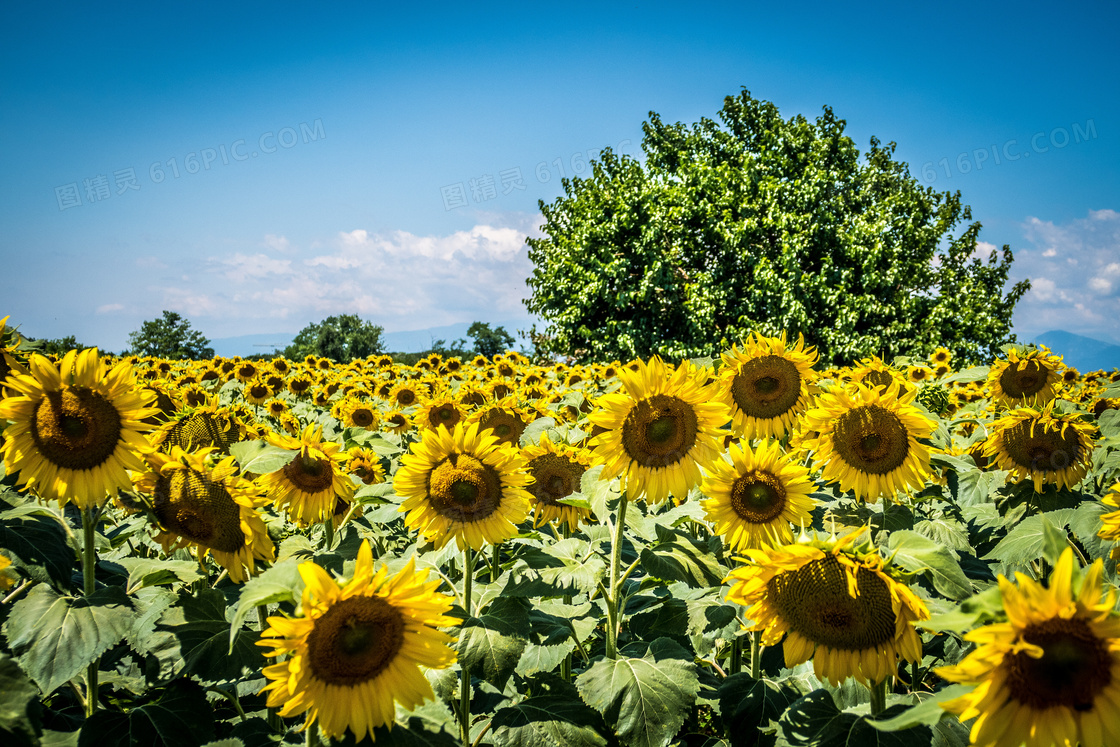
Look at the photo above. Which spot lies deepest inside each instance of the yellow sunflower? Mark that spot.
(76, 428)
(1110, 522)
(875, 374)
(1027, 376)
(836, 603)
(556, 470)
(396, 421)
(354, 413)
(202, 503)
(463, 484)
(1042, 446)
(365, 464)
(940, 357)
(7, 577)
(357, 649)
(198, 428)
(257, 391)
(867, 440)
(755, 498)
(9, 365)
(276, 407)
(406, 394)
(1050, 674)
(308, 486)
(659, 430)
(505, 419)
(443, 411)
(767, 384)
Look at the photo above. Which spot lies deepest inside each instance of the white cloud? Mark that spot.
(1069, 263)
(277, 243)
(110, 308)
(240, 267)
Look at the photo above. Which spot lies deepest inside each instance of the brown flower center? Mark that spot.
(659, 431)
(1074, 668)
(872, 439)
(75, 428)
(758, 497)
(555, 477)
(191, 505)
(766, 387)
(1023, 379)
(310, 474)
(1040, 449)
(463, 488)
(355, 640)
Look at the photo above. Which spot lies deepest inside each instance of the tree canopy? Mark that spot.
(489, 342)
(170, 336)
(339, 338)
(770, 225)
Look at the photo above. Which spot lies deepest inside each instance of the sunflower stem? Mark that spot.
(89, 584)
(879, 697)
(328, 529)
(465, 685)
(613, 588)
(756, 653)
(736, 664)
(496, 562)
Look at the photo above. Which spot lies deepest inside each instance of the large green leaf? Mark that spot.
(1026, 541)
(158, 572)
(55, 637)
(919, 554)
(536, 659)
(747, 706)
(927, 711)
(19, 704)
(548, 721)
(491, 645)
(199, 623)
(815, 720)
(280, 583)
(176, 716)
(37, 544)
(683, 559)
(645, 700)
(259, 457)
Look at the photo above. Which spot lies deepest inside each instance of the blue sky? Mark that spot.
(325, 156)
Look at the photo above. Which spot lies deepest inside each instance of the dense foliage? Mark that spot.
(339, 338)
(757, 223)
(613, 630)
(170, 336)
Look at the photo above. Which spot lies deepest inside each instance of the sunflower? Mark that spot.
(195, 395)
(198, 428)
(754, 498)
(438, 412)
(874, 373)
(835, 602)
(1028, 376)
(556, 470)
(7, 577)
(1042, 446)
(276, 407)
(9, 365)
(918, 374)
(1050, 674)
(204, 504)
(940, 357)
(300, 384)
(504, 419)
(405, 394)
(659, 430)
(365, 464)
(290, 423)
(354, 413)
(867, 440)
(308, 486)
(76, 428)
(1110, 522)
(767, 384)
(463, 483)
(396, 421)
(357, 648)
(257, 391)
(245, 371)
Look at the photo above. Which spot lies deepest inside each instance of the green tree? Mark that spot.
(340, 338)
(770, 225)
(489, 342)
(170, 336)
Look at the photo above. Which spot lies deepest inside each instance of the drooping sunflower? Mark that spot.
(659, 430)
(203, 503)
(556, 470)
(767, 384)
(874, 373)
(1050, 674)
(365, 465)
(1041, 446)
(463, 484)
(308, 486)
(1027, 376)
(867, 440)
(76, 428)
(755, 498)
(835, 602)
(505, 419)
(1110, 522)
(396, 421)
(357, 649)
(200, 427)
(9, 364)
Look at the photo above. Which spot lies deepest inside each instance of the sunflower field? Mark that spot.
(737, 550)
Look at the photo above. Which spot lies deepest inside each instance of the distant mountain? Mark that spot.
(412, 341)
(1083, 353)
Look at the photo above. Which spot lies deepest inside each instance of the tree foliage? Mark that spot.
(764, 224)
(340, 338)
(170, 336)
(489, 342)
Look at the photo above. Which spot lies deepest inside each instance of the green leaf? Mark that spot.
(543, 658)
(927, 712)
(199, 623)
(158, 572)
(919, 554)
(815, 720)
(531, 436)
(645, 700)
(19, 704)
(1085, 524)
(1054, 540)
(37, 544)
(598, 492)
(683, 560)
(55, 637)
(748, 705)
(280, 583)
(1025, 542)
(945, 532)
(548, 721)
(177, 716)
(491, 645)
(260, 457)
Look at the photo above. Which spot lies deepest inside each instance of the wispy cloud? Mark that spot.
(109, 308)
(1075, 276)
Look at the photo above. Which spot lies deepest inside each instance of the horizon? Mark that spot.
(289, 164)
